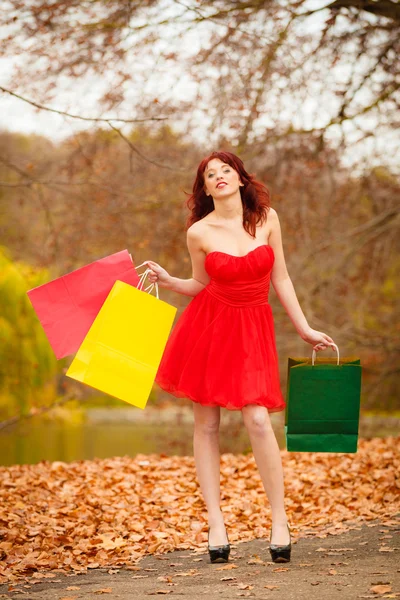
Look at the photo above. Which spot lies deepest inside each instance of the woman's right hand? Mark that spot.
(157, 274)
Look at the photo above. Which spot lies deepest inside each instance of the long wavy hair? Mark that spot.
(255, 196)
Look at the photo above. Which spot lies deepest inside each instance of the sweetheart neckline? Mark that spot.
(243, 255)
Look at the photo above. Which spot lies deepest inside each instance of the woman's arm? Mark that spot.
(187, 287)
(285, 291)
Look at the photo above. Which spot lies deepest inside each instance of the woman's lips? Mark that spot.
(221, 184)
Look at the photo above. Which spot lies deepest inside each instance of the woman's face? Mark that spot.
(220, 179)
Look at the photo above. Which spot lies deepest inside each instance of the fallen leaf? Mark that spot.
(165, 578)
(280, 569)
(272, 587)
(103, 591)
(381, 589)
(228, 579)
(245, 586)
(135, 526)
(255, 561)
(227, 567)
(72, 588)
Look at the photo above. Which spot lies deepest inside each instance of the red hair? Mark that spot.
(255, 196)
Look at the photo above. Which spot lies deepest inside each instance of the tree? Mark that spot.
(255, 70)
(27, 363)
(340, 230)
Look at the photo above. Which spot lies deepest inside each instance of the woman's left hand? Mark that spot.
(319, 340)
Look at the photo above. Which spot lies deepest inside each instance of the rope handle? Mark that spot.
(314, 353)
(142, 278)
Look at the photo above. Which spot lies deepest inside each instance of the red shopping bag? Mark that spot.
(67, 306)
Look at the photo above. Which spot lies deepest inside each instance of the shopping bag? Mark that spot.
(122, 351)
(323, 404)
(67, 306)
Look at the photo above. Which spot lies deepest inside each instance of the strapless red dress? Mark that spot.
(222, 351)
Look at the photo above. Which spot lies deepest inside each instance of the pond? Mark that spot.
(118, 432)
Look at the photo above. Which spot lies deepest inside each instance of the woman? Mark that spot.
(222, 352)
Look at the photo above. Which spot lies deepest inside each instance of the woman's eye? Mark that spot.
(210, 175)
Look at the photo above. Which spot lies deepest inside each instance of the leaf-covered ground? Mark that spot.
(112, 512)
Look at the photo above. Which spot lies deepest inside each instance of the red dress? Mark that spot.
(222, 351)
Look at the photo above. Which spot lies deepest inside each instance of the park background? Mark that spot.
(106, 109)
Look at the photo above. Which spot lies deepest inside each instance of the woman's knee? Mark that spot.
(206, 420)
(256, 420)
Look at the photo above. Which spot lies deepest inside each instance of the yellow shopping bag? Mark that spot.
(122, 350)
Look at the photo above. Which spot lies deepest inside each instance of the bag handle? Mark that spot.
(314, 353)
(142, 279)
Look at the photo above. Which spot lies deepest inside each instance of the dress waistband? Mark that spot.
(249, 293)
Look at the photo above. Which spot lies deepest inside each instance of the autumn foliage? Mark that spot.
(111, 512)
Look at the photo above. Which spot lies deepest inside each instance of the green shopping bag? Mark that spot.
(323, 404)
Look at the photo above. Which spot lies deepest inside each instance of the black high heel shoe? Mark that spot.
(280, 554)
(218, 554)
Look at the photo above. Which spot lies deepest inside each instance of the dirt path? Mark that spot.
(347, 567)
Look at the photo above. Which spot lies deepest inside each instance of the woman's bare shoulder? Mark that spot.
(272, 214)
(272, 219)
(196, 230)
(196, 234)
(199, 229)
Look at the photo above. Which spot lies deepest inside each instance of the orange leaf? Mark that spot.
(381, 589)
(245, 586)
(272, 587)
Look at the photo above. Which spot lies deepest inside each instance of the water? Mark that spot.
(115, 432)
(119, 432)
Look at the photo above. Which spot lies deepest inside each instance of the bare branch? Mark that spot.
(35, 412)
(142, 156)
(80, 118)
(382, 8)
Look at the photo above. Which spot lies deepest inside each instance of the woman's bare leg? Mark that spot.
(207, 460)
(268, 458)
